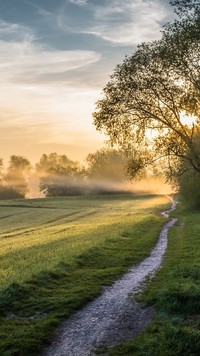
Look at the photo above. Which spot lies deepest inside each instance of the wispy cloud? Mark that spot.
(129, 22)
(15, 32)
(39, 9)
(78, 2)
(33, 88)
(120, 22)
(23, 57)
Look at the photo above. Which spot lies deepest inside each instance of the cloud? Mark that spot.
(39, 9)
(14, 31)
(78, 2)
(129, 22)
(23, 57)
(122, 23)
(34, 92)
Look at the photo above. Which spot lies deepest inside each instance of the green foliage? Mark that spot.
(188, 177)
(186, 7)
(189, 183)
(59, 176)
(150, 90)
(57, 165)
(106, 165)
(56, 254)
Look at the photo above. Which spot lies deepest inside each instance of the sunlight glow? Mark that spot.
(188, 120)
(151, 134)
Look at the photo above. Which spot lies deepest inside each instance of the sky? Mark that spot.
(55, 58)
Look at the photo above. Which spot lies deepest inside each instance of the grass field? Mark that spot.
(56, 254)
(175, 293)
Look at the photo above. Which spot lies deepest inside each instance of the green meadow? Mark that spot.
(57, 254)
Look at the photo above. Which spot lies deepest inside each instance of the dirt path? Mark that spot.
(113, 317)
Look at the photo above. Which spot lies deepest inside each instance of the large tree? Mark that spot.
(149, 93)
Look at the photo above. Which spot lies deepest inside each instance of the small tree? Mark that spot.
(107, 165)
(59, 175)
(16, 175)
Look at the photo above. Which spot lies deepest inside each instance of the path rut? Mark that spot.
(114, 316)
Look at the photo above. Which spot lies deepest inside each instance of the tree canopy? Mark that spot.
(16, 175)
(149, 94)
(106, 165)
(58, 175)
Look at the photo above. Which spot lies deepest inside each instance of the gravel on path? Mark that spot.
(113, 317)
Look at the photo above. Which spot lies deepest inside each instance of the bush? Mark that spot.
(9, 193)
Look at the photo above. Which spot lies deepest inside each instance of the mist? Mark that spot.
(105, 172)
(33, 187)
(152, 185)
(66, 186)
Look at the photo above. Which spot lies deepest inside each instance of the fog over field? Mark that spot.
(89, 186)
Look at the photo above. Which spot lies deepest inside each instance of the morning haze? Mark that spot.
(55, 59)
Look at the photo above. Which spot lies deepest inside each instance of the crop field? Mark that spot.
(57, 254)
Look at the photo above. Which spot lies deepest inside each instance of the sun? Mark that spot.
(188, 120)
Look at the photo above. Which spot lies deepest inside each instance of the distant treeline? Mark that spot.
(58, 175)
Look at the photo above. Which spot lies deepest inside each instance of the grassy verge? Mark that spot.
(175, 293)
(56, 266)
